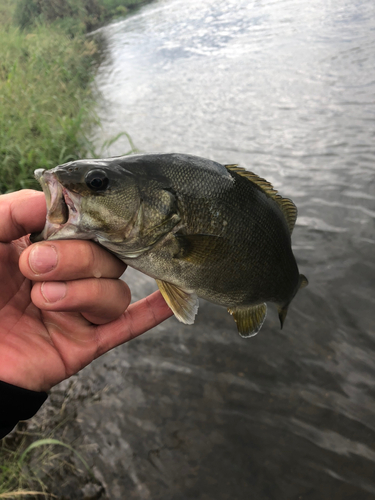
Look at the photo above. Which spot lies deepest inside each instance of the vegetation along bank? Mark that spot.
(47, 63)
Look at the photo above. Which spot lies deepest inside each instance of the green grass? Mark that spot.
(23, 467)
(86, 14)
(17, 479)
(45, 100)
(46, 67)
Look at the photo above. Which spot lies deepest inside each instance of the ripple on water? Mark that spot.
(286, 90)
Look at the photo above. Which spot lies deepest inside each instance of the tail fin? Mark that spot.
(303, 281)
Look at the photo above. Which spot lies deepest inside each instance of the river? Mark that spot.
(284, 88)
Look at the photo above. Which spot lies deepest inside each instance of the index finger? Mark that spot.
(21, 213)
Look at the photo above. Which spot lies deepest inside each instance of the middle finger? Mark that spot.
(99, 301)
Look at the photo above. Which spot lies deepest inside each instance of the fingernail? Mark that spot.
(43, 258)
(53, 291)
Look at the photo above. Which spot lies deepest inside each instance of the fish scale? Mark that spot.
(201, 229)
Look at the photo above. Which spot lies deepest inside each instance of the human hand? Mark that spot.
(57, 318)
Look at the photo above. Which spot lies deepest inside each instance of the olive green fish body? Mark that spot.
(201, 229)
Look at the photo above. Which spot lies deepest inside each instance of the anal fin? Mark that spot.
(183, 304)
(249, 320)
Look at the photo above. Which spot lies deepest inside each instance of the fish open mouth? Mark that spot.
(62, 208)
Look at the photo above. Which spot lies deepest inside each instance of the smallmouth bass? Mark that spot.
(199, 228)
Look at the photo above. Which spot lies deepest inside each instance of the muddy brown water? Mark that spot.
(286, 89)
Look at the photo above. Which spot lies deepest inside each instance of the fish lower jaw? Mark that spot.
(63, 212)
(63, 216)
(53, 231)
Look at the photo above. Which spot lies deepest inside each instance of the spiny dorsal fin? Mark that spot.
(289, 210)
(287, 207)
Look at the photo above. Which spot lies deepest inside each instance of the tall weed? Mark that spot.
(45, 100)
(89, 13)
(21, 469)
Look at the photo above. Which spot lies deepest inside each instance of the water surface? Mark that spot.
(286, 89)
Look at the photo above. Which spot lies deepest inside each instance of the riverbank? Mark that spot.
(47, 66)
(47, 100)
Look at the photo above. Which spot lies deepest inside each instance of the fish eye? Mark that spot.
(97, 180)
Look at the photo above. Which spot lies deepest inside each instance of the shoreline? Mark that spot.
(47, 101)
(46, 93)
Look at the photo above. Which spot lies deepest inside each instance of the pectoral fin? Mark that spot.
(250, 320)
(183, 304)
(201, 248)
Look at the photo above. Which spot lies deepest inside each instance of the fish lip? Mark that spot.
(62, 207)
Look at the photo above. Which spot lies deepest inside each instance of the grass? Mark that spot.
(82, 14)
(46, 67)
(22, 468)
(44, 457)
(17, 478)
(45, 100)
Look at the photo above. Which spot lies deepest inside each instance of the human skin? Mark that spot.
(62, 303)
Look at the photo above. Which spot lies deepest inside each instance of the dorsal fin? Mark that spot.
(286, 205)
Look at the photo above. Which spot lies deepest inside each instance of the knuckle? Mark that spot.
(89, 256)
(107, 296)
(98, 290)
(83, 258)
(126, 292)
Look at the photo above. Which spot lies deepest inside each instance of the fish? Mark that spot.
(198, 227)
